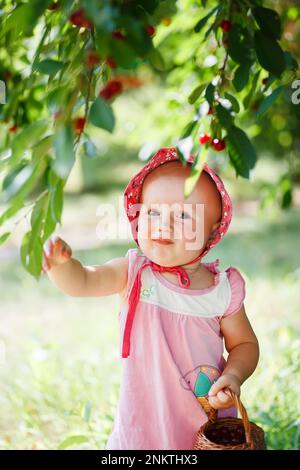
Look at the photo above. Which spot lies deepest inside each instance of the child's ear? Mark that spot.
(215, 226)
(213, 230)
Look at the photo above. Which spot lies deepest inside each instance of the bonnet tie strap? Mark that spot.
(183, 279)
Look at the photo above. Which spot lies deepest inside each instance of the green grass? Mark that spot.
(59, 356)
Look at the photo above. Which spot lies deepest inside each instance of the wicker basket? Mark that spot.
(230, 433)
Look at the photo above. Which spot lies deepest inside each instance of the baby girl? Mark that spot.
(175, 310)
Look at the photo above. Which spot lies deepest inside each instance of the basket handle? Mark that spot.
(242, 411)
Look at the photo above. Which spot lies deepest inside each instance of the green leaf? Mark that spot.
(101, 115)
(233, 101)
(196, 93)
(251, 93)
(24, 17)
(268, 21)
(241, 76)
(72, 440)
(25, 181)
(156, 59)
(12, 210)
(202, 22)
(41, 148)
(31, 254)
(164, 9)
(241, 151)
(64, 151)
(239, 44)
(37, 220)
(49, 224)
(286, 199)
(90, 149)
(208, 31)
(290, 61)
(188, 129)
(8, 180)
(56, 98)
(181, 156)
(195, 173)
(87, 411)
(56, 202)
(4, 237)
(224, 116)
(266, 419)
(136, 34)
(123, 53)
(210, 93)
(49, 66)
(269, 53)
(26, 138)
(269, 100)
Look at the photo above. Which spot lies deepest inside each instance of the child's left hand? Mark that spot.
(217, 397)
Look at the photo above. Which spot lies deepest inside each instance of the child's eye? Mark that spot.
(183, 215)
(152, 210)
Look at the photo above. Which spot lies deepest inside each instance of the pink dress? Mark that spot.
(176, 354)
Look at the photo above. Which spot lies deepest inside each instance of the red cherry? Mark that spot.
(218, 144)
(264, 81)
(111, 62)
(79, 124)
(210, 111)
(118, 35)
(255, 106)
(7, 75)
(203, 138)
(111, 89)
(78, 18)
(225, 25)
(150, 30)
(92, 58)
(13, 128)
(53, 6)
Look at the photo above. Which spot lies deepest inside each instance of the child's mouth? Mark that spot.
(162, 241)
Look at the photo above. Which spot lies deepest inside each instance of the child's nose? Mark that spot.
(166, 222)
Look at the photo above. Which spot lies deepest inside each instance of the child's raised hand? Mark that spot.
(56, 251)
(217, 396)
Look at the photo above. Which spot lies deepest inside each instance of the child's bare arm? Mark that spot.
(243, 348)
(76, 280)
(241, 344)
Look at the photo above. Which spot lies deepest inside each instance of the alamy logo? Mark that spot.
(296, 94)
(2, 92)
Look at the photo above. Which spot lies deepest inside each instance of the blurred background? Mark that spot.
(59, 356)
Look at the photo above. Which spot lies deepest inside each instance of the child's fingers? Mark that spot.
(218, 385)
(46, 263)
(54, 246)
(66, 253)
(56, 251)
(220, 404)
(48, 247)
(214, 402)
(223, 397)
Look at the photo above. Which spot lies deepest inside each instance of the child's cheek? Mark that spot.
(144, 229)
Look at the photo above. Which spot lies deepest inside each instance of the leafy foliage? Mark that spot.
(65, 62)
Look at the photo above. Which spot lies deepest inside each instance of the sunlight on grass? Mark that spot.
(60, 359)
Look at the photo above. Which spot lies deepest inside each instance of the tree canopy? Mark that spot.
(64, 63)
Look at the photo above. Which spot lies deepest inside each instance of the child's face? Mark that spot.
(185, 223)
